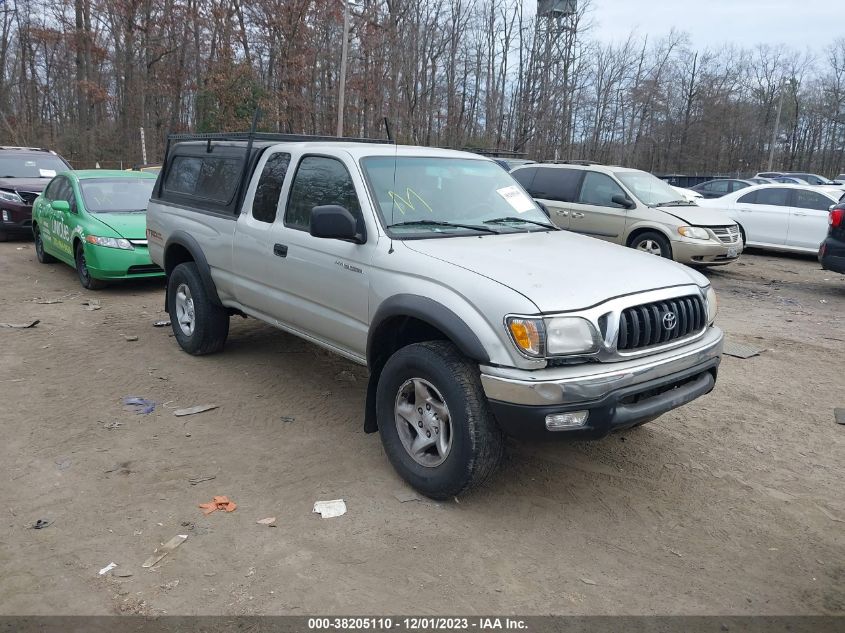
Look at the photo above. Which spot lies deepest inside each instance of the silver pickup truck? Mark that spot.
(476, 317)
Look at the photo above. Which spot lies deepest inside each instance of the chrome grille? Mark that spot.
(727, 234)
(28, 196)
(648, 324)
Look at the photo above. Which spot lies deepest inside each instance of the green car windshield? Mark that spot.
(430, 197)
(116, 195)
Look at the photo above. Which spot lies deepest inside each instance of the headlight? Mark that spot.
(712, 305)
(10, 196)
(570, 335)
(695, 232)
(109, 242)
(529, 335)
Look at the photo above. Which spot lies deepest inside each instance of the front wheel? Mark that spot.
(434, 422)
(43, 256)
(82, 271)
(200, 326)
(652, 243)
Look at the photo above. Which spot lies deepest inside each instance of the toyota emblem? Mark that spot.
(670, 321)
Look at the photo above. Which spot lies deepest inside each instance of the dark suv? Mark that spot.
(24, 172)
(832, 250)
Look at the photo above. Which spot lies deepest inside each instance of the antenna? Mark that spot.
(387, 129)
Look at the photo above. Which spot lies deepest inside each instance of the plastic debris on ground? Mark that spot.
(196, 409)
(330, 509)
(91, 304)
(839, 416)
(21, 326)
(40, 524)
(131, 338)
(47, 302)
(269, 521)
(403, 496)
(287, 419)
(161, 323)
(141, 406)
(198, 480)
(739, 350)
(221, 502)
(165, 549)
(63, 463)
(107, 568)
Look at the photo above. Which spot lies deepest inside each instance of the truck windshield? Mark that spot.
(116, 195)
(648, 188)
(31, 166)
(420, 196)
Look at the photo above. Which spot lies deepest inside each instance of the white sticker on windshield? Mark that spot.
(47, 173)
(516, 198)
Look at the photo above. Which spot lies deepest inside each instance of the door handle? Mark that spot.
(563, 213)
(577, 214)
(280, 250)
(799, 213)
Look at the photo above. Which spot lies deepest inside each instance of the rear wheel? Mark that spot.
(43, 256)
(652, 243)
(82, 271)
(200, 326)
(434, 421)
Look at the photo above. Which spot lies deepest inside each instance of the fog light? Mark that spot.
(565, 421)
(5, 215)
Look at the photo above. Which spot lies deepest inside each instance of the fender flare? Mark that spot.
(433, 313)
(429, 311)
(189, 242)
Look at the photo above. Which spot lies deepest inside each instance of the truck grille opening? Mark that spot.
(660, 322)
(727, 234)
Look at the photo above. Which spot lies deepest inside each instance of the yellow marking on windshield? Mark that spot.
(402, 203)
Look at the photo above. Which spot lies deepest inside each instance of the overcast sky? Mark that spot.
(799, 25)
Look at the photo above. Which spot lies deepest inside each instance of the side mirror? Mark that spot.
(623, 201)
(334, 222)
(60, 205)
(543, 208)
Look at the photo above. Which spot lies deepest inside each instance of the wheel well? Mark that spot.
(175, 255)
(391, 335)
(636, 233)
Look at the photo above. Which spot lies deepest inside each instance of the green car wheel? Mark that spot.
(85, 277)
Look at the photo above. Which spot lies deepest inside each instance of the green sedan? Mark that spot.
(96, 221)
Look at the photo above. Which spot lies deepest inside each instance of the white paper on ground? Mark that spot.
(516, 198)
(330, 509)
(107, 568)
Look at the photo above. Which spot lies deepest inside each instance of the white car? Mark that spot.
(688, 194)
(779, 217)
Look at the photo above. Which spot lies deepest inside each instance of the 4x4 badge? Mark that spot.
(670, 320)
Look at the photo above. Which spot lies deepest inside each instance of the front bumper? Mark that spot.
(115, 263)
(616, 395)
(701, 253)
(20, 219)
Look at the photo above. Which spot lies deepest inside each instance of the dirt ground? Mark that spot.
(734, 504)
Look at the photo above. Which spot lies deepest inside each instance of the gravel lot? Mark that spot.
(734, 504)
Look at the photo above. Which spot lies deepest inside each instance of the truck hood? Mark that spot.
(132, 226)
(557, 270)
(698, 216)
(24, 184)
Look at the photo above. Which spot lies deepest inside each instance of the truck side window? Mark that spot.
(269, 187)
(318, 181)
(210, 177)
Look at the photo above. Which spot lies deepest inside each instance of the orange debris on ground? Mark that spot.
(218, 503)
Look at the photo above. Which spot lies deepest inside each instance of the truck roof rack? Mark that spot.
(272, 136)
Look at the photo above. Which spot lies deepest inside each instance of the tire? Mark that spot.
(82, 271)
(3, 236)
(43, 256)
(474, 446)
(652, 242)
(204, 326)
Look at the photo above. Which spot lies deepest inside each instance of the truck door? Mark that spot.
(322, 285)
(253, 242)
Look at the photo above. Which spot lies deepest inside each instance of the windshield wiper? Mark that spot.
(515, 219)
(441, 223)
